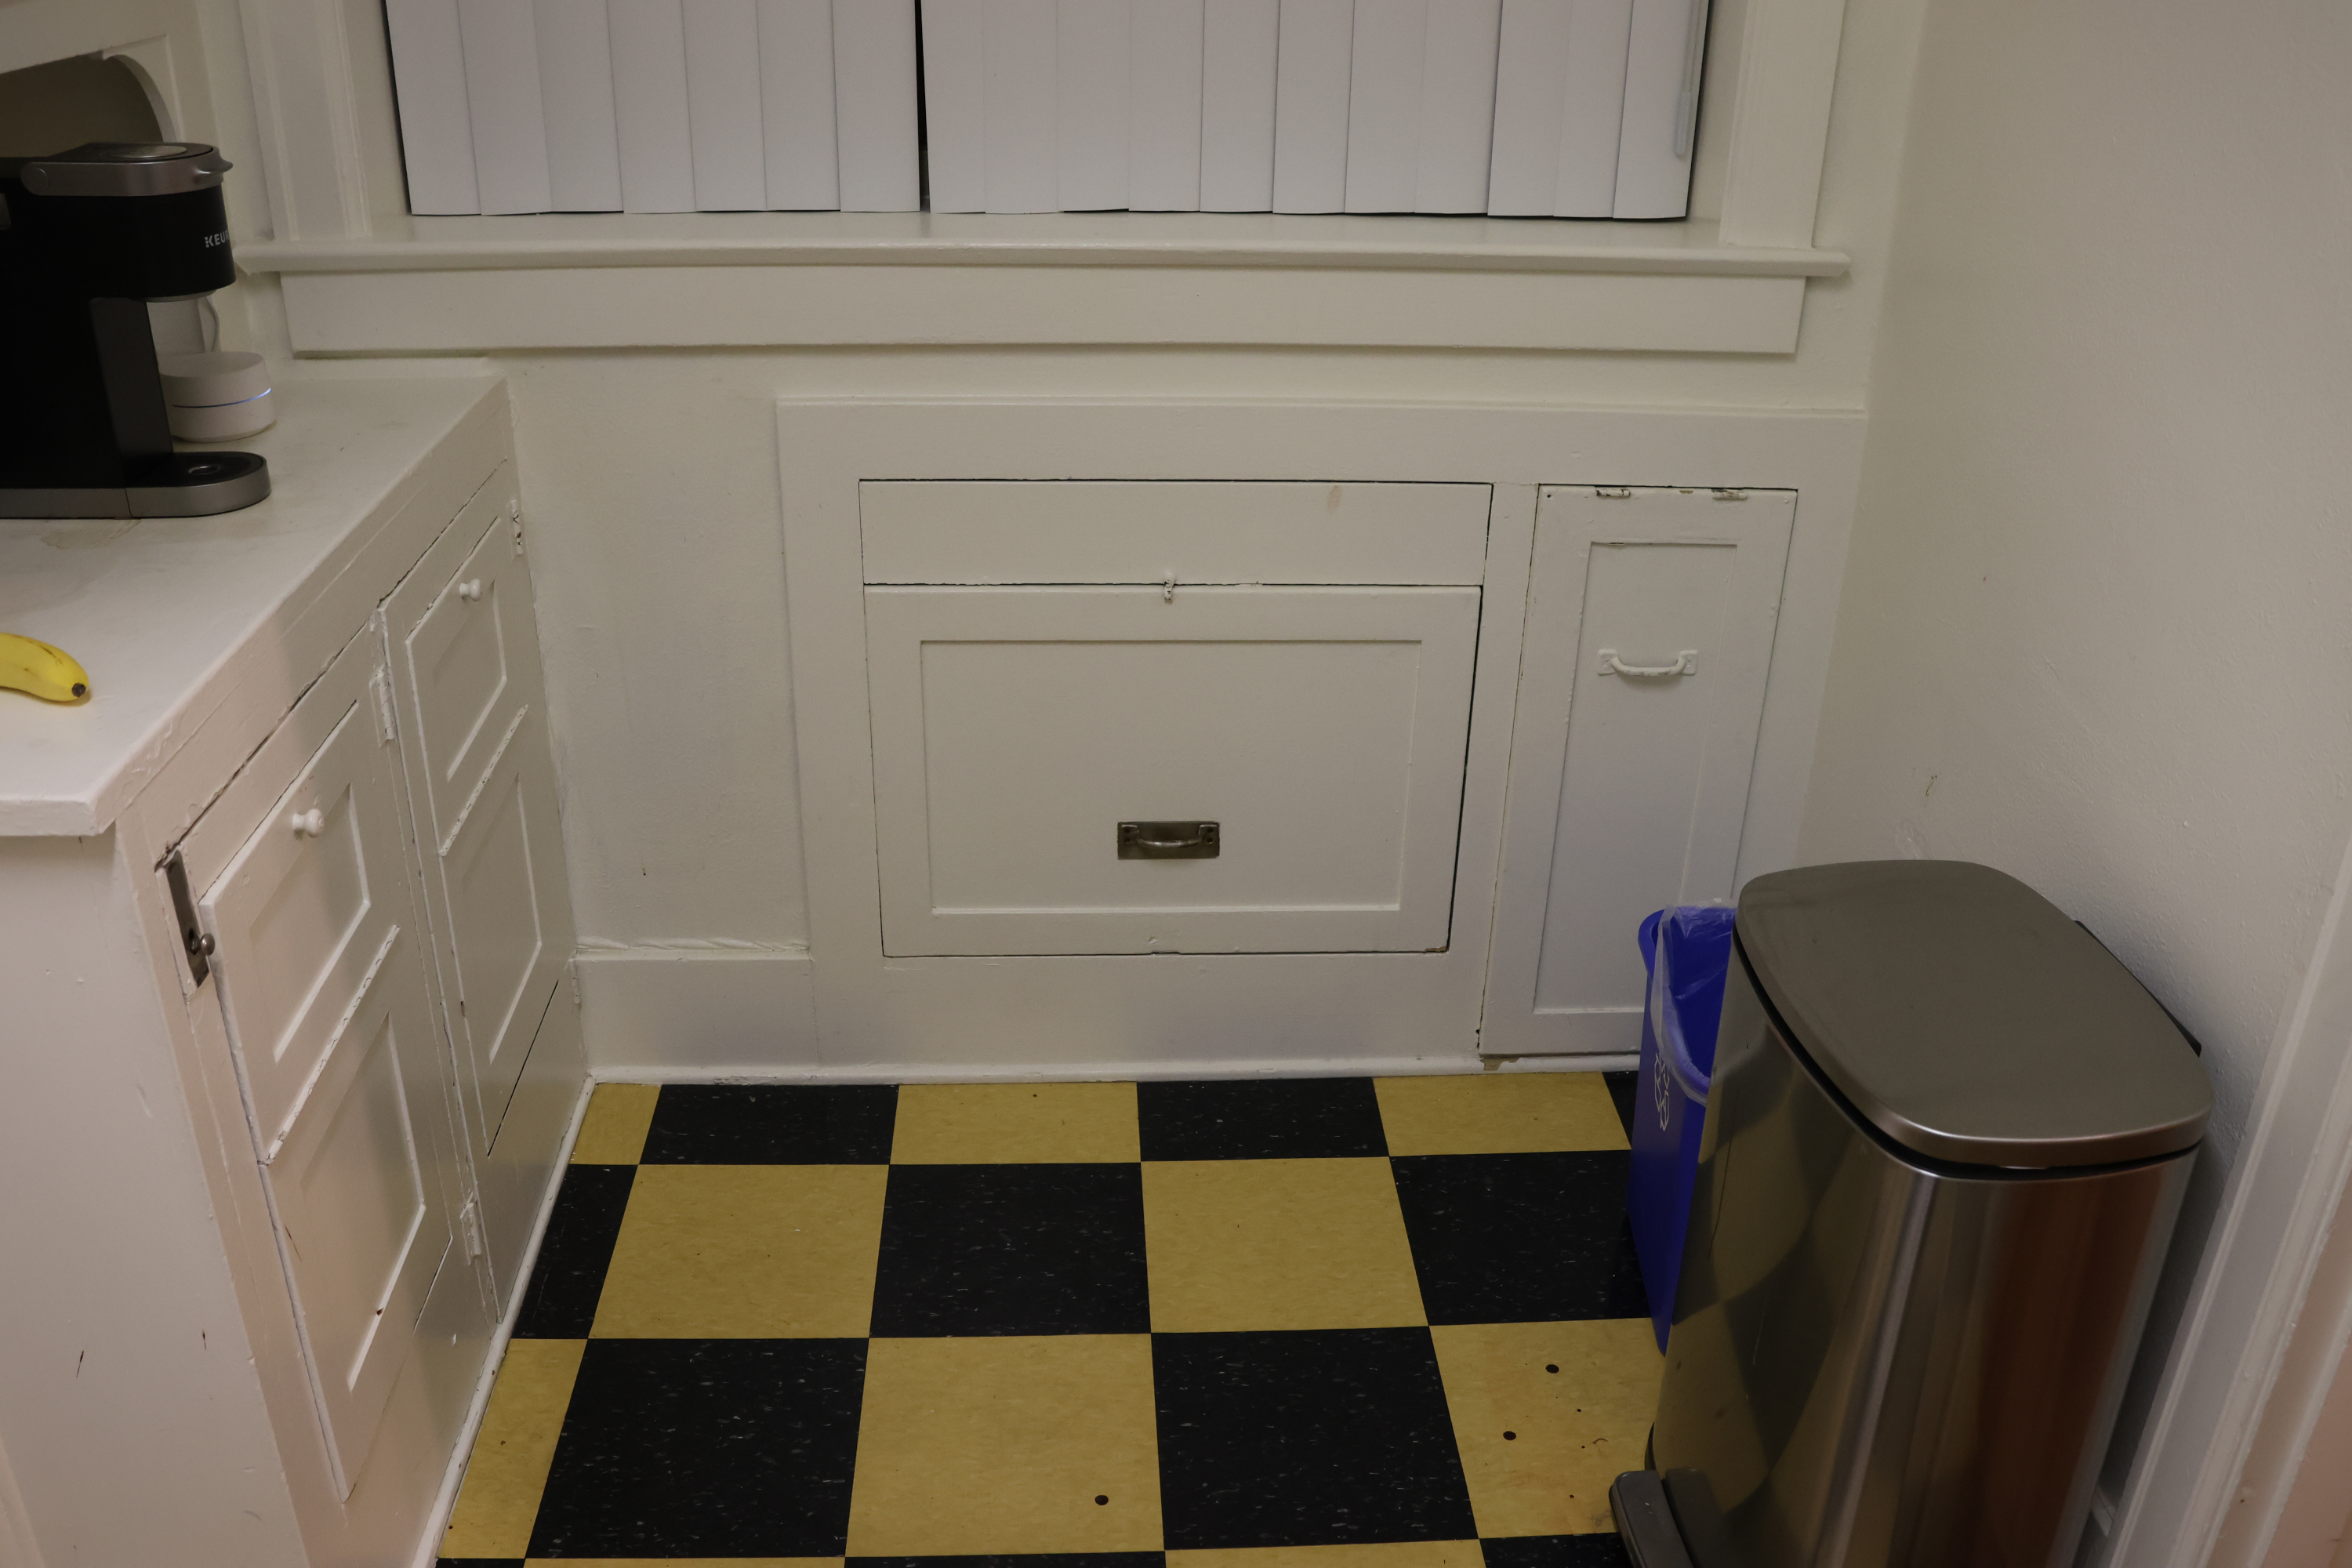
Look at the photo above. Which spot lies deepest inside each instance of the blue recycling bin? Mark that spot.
(1688, 951)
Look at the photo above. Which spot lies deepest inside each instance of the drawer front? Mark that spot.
(1074, 531)
(319, 965)
(1016, 728)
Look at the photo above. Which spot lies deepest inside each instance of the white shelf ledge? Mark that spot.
(488, 285)
(1049, 240)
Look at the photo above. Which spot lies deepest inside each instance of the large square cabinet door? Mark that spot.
(319, 959)
(1319, 729)
(472, 702)
(1650, 623)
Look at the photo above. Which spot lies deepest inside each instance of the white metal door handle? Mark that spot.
(1685, 663)
(470, 591)
(308, 824)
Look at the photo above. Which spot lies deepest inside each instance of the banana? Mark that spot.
(49, 673)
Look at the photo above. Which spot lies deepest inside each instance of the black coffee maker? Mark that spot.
(88, 238)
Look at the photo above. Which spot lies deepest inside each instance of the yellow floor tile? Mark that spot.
(1003, 1445)
(1379, 1554)
(1276, 1244)
(1015, 1123)
(613, 1132)
(1498, 1113)
(1571, 1432)
(745, 1252)
(508, 1468)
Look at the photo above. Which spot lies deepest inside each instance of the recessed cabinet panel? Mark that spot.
(1650, 626)
(505, 967)
(1320, 730)
(456, 654)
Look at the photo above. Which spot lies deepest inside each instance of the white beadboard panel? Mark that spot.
(1091, 49)
(502, 98)
(1384, 103)
(683, 307)
(649, 106)
(1018, 105)
(1164, 106)
(428, 77)
(722, 85)
(1457, 105)
(575, 79)
(1238, 39)
(1312, 64)
(1663, 59)
(955, 104)
(801, 156)
(875, 109)
(1558, 94)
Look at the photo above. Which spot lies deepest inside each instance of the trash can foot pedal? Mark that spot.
(1638, 1500)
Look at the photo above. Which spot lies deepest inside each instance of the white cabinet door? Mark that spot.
(322, 982)
(1650, 623)
(1016, 729)
(473, 719)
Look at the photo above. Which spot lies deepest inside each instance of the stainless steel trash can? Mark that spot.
(1946, 1140)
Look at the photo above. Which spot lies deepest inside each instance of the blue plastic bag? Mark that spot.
(1687, 951)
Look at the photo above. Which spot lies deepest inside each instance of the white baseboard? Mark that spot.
(662, 1013)
(672, 1015)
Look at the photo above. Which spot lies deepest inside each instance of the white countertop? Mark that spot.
(158, 611)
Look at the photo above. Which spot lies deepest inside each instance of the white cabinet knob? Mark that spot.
(470, 591)
(308, 824)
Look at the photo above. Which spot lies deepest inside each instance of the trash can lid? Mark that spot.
(1967, 1018)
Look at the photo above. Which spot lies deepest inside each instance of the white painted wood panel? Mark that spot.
(1092, 46)
(1457, 115)
(1628, 792)
(650, 106)
(316, 946)
(428, 70)
(1664, 55)
(803, 154)
(1163, 148)
(1560, 93)
(502, 97)
(875, 114)
(1384, 104)
(991, 532)
(955, 104)
(1020, 105)
(1015, 728)
(722, 96)
(575, 75)
(1238, 40)
(1313, 62)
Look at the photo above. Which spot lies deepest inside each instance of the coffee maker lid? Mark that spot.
(121, 169)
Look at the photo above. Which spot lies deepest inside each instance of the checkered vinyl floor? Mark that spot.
(1273, 1323)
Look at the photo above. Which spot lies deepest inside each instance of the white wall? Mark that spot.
(2094, 626)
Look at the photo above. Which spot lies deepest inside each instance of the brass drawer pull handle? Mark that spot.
(1168, 841)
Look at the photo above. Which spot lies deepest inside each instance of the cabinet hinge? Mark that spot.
(514, 512)
(470, 1225)
(194, 942)
(1614, 492)
(382, 690)
(572, 969)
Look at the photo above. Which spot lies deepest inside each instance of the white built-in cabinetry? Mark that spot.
(304, 841)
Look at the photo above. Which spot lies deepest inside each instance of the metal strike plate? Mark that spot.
(1167, 840)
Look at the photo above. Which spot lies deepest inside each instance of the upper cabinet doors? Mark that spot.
(473, 707)
(1650, 623)
(319, 961)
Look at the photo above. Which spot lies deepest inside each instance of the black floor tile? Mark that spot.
(1604, 1550)
(1304, 1439)
(772, 1124)
(1022, 1560)
(706, 1449)
(1520, 1238)
(479, 1562)
(1623, 1088)
(561, 1301)
(1261, 1118)
(1011, 1250)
